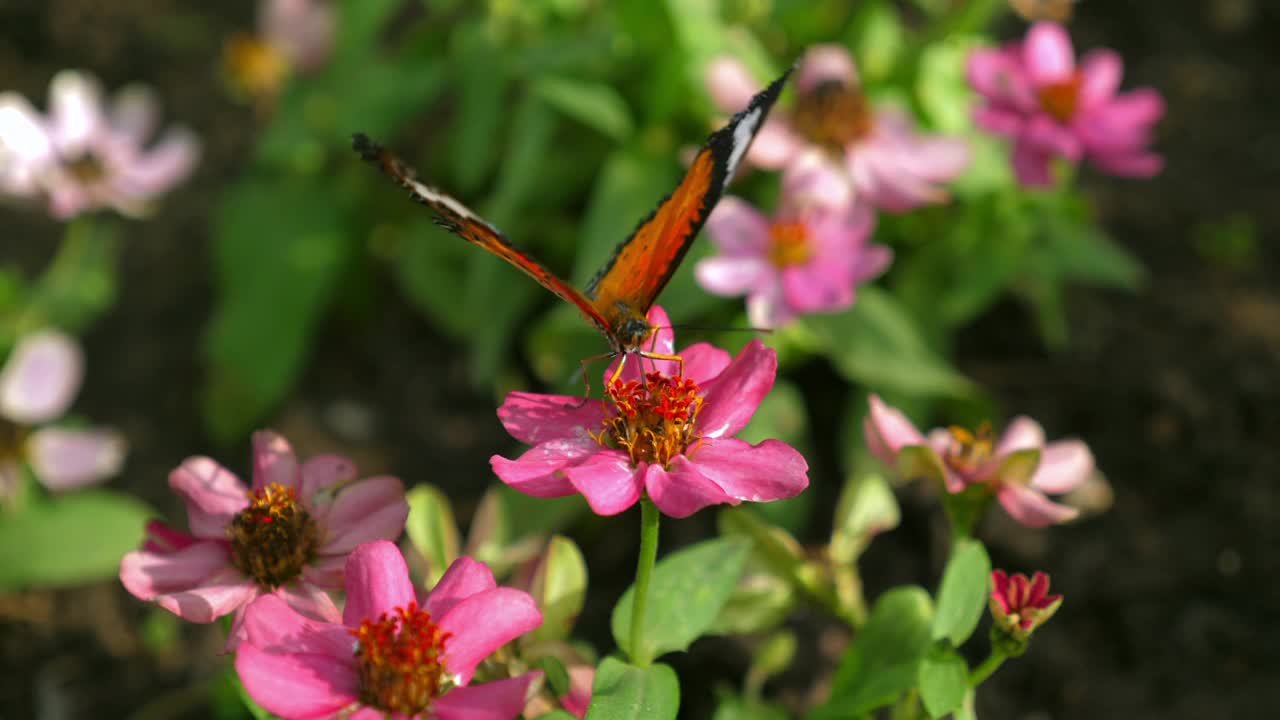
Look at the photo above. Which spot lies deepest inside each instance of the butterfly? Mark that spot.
(618, 298)
(1033, 10)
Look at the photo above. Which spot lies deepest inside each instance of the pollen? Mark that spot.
(968, 450)
(655, 418)
(789, 244)
(833, 115)
(254, 66)
(272, 538)
(87, 169)
(400, 660)
(1060, 99)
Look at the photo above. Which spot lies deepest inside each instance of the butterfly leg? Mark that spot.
(586, 383)
(678, 360)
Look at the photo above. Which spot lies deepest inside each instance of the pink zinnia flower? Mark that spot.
(37, 384)
(288, 535)
(83, 156)
(844, 148)
(665, 435)
(802, 261)
(1036, 95)
(391, 655)
(294, 36)
(961, 459)
(1018, 605)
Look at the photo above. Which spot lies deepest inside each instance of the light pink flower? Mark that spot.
(669, 437)
(390, 655)
(836, 144)
(302, 30)
(1018, 605)
(37, 384)
(84, 156)
(1035, 94)
(961, 459)
(802, 261)
(288, 535)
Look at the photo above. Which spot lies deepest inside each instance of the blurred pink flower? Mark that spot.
(1018, 605)
(84, 156)
(843, 149)
(664, 435)
(37, 384)
(802, 261)
(389, 656)
(302, 31)
(1035, 94)
(959, 458)
(288, 535)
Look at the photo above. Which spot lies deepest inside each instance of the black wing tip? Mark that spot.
(366, 147)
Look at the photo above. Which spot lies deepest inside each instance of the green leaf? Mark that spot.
(432, 529)
(943, 680)
(962, 596)
(70, 539)
(627, 188)
(482, 82)
(866, 508)
(559, 587)
(594, 104)
(877, 343)
(877, 37)
(281, 250)
(882, 662)
(687, 590)
(558, 714)
(1079, 250)
(732, 707)
(556, 674)
(627, 692)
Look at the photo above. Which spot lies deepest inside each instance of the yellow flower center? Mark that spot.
(400, 660)
(789, 244)
(833, 115)
(1059, 99)
(272, 538)
(655, 418)
(969, 450)
(254, 66)
(87, 169)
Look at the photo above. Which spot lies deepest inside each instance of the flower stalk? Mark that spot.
(644, 569)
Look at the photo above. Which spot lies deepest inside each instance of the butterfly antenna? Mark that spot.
(720, 328)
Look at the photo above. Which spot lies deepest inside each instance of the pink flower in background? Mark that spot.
(294, 36)
(961, 459)
(84, 156)
(1018, 605)
(288, 535)
(665, 435)
(802, 261)
(37, 384)
(1035, 94)
(837, 143)
(390, 655)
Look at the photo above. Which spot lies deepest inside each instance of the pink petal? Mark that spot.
(578, 698)
(75, 110)
(274, 461)
(767, 308)
(1047, 54)
(163, 166)
(482, 623)
(534, 418)
(1100, 72)
(731, 398)
(887, 430)
(301, 685)
(1045, 132)
(326, 571)
(325, 471)
(216, 596)
(1031, 508)
(372, 509)
(732, 276)
(607, 480)
(738, 229)
(817, 288)
(682, 490)
(1031, 164)
(24, 136)
(882, 179)
(377, 581)
(271, 624)
(310, 601)
(66, 459)
(41, 377)
(1022, 433)
(540, 470)
(148, 574)
(1064, 466)
(497, 700)
(1140, 165)
(771, 470)
(813, 179)
(998, 121)
(826, 63)
(871, 262)
(163, 539)
(703, 361)
(133, 114)
(730, 84)
(998, 76)
(302, 29)
(464, 578)
(775, 143)
(213, 495)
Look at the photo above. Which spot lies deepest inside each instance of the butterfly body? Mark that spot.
(618, 298)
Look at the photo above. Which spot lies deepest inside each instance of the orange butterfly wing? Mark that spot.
(458, 219)
(640, 268)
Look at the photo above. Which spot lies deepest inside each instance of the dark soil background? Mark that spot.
(1172, 595)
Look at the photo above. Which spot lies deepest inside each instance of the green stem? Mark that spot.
(988, 666)
(644, 569)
